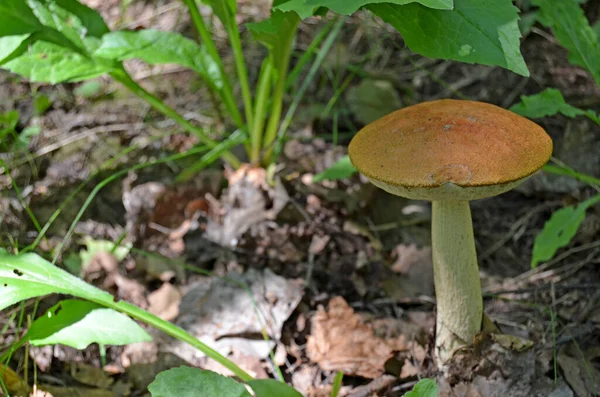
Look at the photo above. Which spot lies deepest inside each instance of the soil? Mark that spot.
(346, 266)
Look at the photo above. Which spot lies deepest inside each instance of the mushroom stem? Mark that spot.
(456, 276)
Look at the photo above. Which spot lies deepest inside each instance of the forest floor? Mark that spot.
(339, 272)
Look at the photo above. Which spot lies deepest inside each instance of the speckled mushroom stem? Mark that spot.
(456, 276)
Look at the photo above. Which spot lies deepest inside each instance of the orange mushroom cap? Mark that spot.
(479, 147)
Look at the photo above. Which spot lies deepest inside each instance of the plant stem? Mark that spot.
(226, 92)
(124, 78)
(176, 332)
(307, 54)
(337, 384)
(278, 93)
(242, 72)
(262, 98)
(275, 148)
(456, 277)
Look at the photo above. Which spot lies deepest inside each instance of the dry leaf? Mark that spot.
(580, 374)
(512, 342)
(340, 341)
(229, 314)
(164, 302)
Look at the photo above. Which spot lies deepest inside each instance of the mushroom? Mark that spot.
(450, 152)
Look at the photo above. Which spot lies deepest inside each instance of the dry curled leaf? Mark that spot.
(341, 341)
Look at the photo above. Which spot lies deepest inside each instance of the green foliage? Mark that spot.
(573, 31)
(62, 41)
(16, 18)
(95, 246)
(29, 276)
(10, 44)
(559, 230)
(475, 31)
(158, 47)
(425, 388)
(78, 323)
(55, 47)
(271, 387)
(306, 8)
(225, 10)
(93, 22)
(342, 169)
(549, 103)
(51, 63)
(88, 90)
(276, 33)
(194, 382)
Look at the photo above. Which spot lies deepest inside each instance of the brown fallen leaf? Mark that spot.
(164, 302)
(341, 341)
(579, 373)
(230, 314)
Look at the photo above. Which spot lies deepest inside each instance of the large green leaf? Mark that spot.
(51, 63)
(559, 230)
(16, 18)
(29, 275)
(271, 388)
(548, 103)
(78, 323)
(158, 47)
(475, 31)
(195, 382)
(573, 31)
(306, 8)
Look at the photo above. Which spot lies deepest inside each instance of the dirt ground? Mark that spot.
(342, 269)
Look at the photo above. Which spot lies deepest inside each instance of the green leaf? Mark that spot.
(59, 20)
(343, 168)
(527, 21)
(10, 44)
(567, 171)
(548, 103)
(475, 31)
(17, 19)
(93, 22)
(77, 324)
(51, 63)
(573, 31)
(96, 246)
(29, 275)
(559, 230)
(89, 89)
(276, 33)
(195, 382)
(425, 388)
(157, 47)
(26, 134)
(372, 99)
(41, 103)
(225, 10)
(271, 388)
(307, 8)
